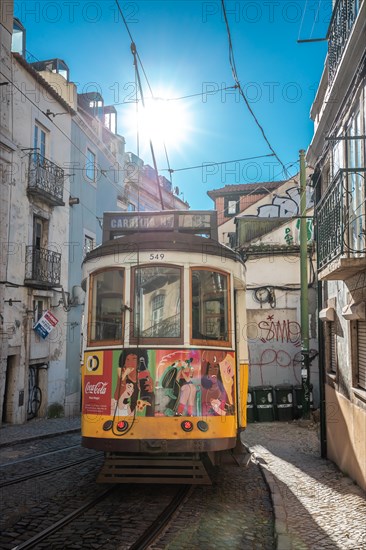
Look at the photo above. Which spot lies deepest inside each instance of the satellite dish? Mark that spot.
(176, 190)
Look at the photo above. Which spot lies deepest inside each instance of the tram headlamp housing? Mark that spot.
(187, 426)
(122, 426)
(202, 426)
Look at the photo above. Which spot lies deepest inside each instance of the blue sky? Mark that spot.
(184, 50)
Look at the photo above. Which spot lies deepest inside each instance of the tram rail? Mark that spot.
(40, 455)
(150, 535)
(58, 525)
(44, 472)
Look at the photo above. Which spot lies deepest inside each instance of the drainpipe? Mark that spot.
(304, 302)
(321, 348)
(322, 404)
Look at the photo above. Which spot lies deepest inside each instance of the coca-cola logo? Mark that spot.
(99, 388)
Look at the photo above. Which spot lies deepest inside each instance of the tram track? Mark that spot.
(40, 455)
(46, 471)
(150, 534)
(58, 525)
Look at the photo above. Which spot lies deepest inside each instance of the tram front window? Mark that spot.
(210, 310)
(106, 306)
(157, 302)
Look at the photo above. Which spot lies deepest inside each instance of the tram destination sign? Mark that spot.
(118, 224)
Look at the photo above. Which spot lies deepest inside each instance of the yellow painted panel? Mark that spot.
(160, 428)
(243, 388)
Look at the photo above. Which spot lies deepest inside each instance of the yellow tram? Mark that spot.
(165, 368)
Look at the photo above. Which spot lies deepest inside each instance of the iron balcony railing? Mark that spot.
(42, 267)
(340, 218)
(343, 17)
(167, 328)
(45, 179)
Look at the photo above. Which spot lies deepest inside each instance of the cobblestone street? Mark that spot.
(316, 506)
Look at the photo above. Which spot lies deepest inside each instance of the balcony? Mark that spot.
(42, 267)
(341, 226)
(343, 17)
(45, 180)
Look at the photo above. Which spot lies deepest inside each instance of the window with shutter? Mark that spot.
(332, 348)
(361, 347)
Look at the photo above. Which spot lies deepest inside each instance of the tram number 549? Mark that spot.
(156, 256)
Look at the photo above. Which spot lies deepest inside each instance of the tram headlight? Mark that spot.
(122, 426)
(202, 426)
(187, 426)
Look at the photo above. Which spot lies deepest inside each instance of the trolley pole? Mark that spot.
(304, 303)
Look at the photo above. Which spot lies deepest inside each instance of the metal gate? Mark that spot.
(34, 392)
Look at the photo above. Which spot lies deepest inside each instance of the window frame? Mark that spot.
(136, 340)
(356, 382)
(206, 342)
(227, 202)
(331, 345)
(40, 141)
(105, 342)
(91, 239)
(90, 165)
(38, 308)
(354, 155)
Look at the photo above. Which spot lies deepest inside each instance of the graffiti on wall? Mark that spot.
(286, 205)
(274, 342)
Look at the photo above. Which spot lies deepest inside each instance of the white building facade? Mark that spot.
(337, 153)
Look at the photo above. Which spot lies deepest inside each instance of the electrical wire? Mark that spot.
(137, 61)
(235, 76)
(199, 94)
(134, 53)
(302, 20)
(262, 187)
(67, 137)
(216, 163)
(315, 18)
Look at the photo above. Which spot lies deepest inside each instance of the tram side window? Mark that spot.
(156, 309)
(210, 305)
(106, 306)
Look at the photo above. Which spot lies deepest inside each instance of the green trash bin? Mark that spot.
(263, 399)
(250, 406)
(284, 403)
(298, 394)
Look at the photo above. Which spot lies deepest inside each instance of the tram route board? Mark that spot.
(118, 224)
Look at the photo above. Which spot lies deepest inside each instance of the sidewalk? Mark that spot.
(316, 506)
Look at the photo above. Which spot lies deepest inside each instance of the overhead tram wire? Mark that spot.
(302, 19)
(136, 59)
(217, 163)
(307, 40)
(134, 53)
(199, 94)
(235, 75)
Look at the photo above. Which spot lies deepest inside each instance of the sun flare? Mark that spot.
(164, 121)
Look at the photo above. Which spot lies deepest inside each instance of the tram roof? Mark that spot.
(159, 240)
